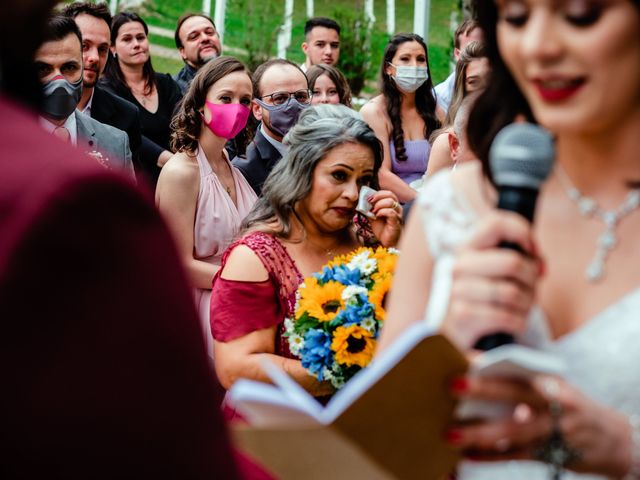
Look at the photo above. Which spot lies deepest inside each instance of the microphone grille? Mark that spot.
(521, 155)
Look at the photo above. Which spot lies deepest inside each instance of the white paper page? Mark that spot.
(297, 395)
(517, 361)
(508, 361)
(266, 405)
(381, 364)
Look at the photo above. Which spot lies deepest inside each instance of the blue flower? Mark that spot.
(346, 276)
(316, 352)
(325, 275)
(354, 314)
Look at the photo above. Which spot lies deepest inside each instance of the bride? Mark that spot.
(573, 67)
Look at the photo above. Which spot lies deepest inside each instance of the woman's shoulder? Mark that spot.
(242, 263)
(376, 105)
(465, 185)
(181, 168)
(254, 252)
(450, 204)
(446, 216)
(374, 112)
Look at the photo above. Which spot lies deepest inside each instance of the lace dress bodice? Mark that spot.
(601, 355)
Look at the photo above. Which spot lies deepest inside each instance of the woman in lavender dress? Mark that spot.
(404, 115)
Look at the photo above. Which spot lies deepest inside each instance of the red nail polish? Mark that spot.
(459, 385)
(453, 436)
(370, 198)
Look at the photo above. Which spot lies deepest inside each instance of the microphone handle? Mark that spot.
(522, 201)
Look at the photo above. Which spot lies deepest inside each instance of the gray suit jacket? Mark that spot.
(107, 143)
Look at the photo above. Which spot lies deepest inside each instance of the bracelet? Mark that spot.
(634, 469)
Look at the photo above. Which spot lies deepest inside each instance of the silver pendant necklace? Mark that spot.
(589, 208)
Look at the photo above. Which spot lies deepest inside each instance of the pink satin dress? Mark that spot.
(217, 222)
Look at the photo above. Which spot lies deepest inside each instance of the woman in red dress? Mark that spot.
(304, 218)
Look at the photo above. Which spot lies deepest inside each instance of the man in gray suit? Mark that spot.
(59, 64)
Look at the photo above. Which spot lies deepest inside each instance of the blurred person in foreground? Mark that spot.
(305, 217)
(103, 368)
(574, 68)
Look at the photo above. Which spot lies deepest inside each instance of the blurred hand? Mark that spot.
(493, 288)
(599, 436)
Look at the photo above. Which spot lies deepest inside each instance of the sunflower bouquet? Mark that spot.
(339, 313)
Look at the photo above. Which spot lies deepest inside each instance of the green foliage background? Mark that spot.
(254, 24)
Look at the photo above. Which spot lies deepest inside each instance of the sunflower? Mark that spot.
(339, 260)
(320, 301)
(378, 294)
(386, 261)
(353, 345)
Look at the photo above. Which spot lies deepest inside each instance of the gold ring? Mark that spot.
(395, 205)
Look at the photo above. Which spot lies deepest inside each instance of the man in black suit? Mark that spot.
(94, 22)
(280, 92)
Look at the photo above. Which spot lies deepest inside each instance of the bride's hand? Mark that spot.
(492, 288)
(387, 225)
(595, 438)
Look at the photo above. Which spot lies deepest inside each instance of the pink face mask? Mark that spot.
(227, 119)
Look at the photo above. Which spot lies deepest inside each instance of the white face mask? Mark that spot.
(409, 78)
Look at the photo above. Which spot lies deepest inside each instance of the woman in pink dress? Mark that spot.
(201, 195)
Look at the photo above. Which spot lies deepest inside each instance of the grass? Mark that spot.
(166, 65)
(256, 21)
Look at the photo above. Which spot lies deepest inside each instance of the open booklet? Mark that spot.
(386, 423)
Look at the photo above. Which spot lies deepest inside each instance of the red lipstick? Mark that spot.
(557, 91)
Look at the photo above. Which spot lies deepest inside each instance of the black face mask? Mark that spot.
(61, 97)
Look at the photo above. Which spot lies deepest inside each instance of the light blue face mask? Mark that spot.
(409, 78)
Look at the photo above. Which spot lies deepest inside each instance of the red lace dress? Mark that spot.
(239, 308)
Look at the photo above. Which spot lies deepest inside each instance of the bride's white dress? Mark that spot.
(603, 356)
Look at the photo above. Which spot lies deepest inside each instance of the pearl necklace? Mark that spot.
(589, 208)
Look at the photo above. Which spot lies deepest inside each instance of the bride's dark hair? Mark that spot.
(502, 100)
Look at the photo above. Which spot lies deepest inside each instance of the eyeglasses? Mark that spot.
(281, 98)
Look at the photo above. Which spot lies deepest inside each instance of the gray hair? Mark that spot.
(319, 130)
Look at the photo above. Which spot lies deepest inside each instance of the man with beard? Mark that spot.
(94, 22)
(198, 41)
(59, 66)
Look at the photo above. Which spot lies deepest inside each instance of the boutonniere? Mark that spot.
(102, 160)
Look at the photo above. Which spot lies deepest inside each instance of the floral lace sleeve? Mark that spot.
(447, 219)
